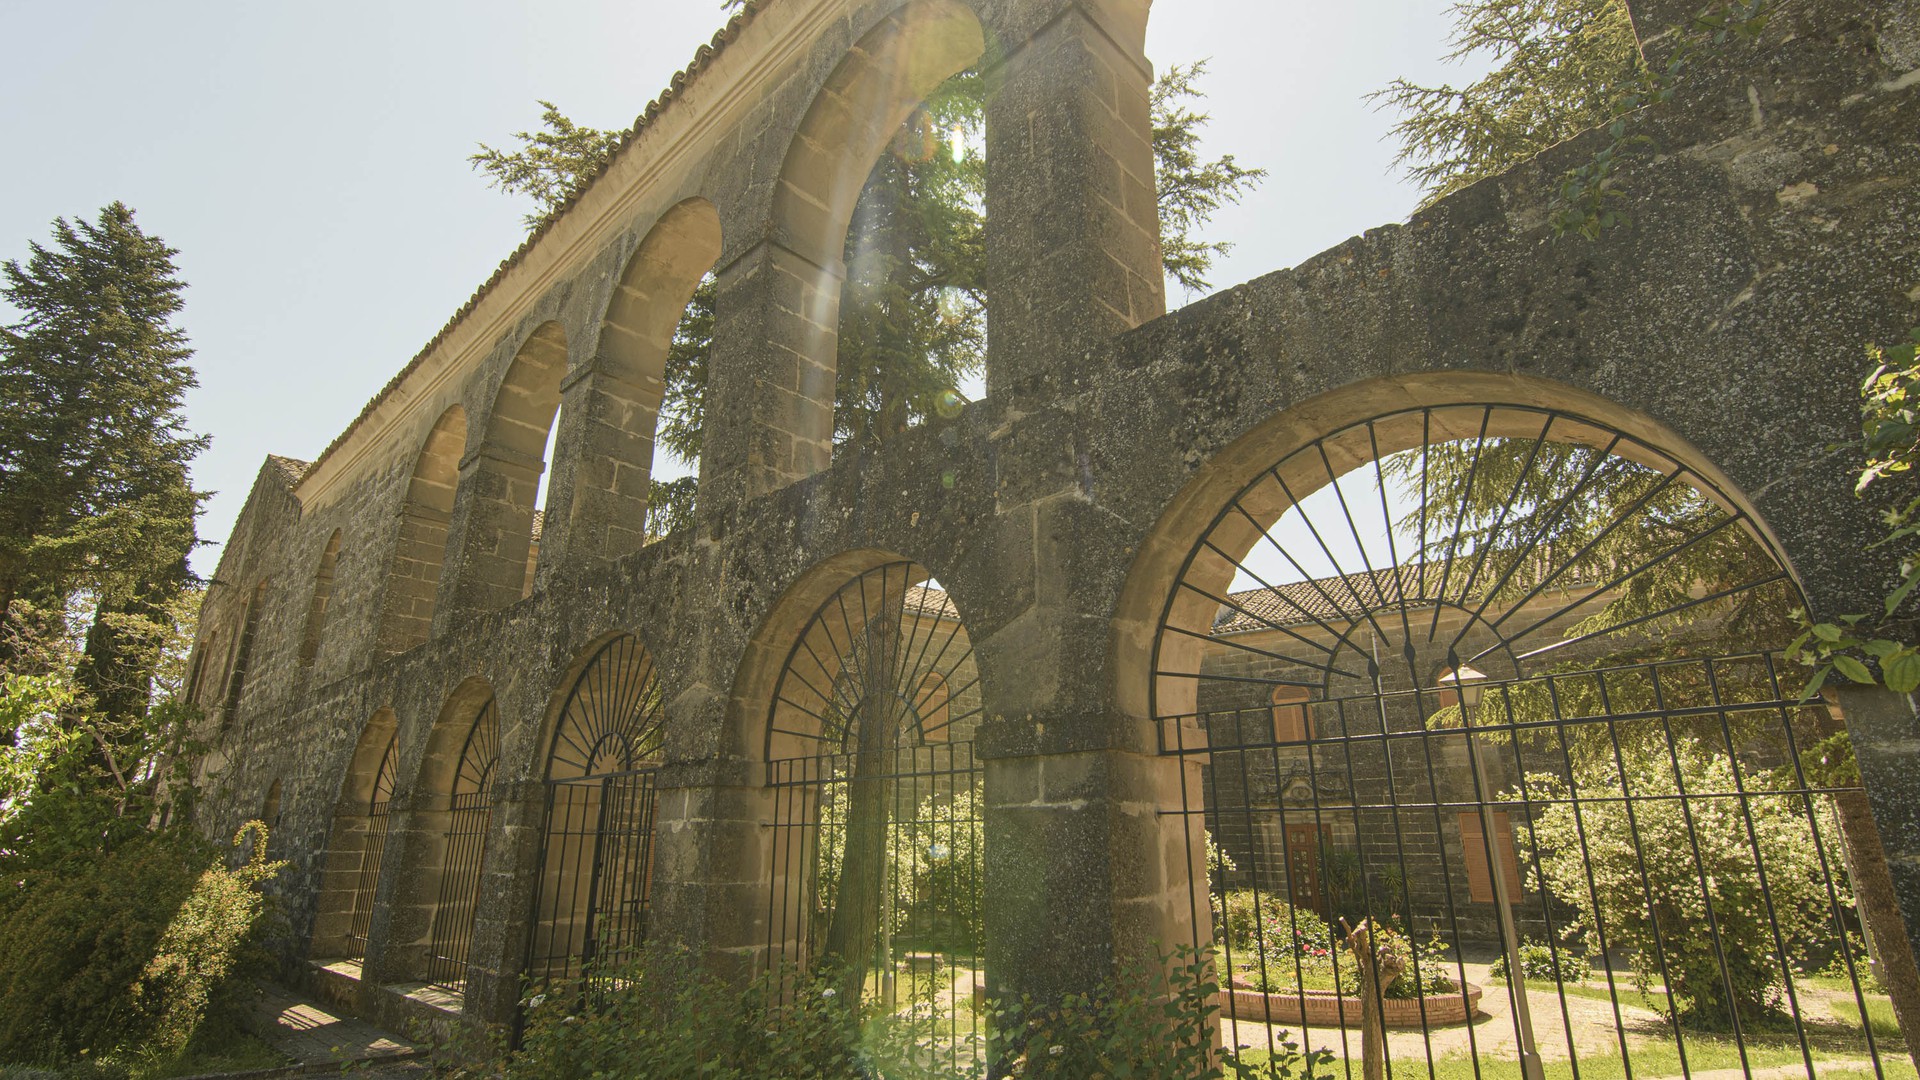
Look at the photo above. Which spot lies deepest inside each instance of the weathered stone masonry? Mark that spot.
(1776, 229)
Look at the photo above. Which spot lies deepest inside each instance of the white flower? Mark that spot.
(827, 993)
(1056, 1049)
(536, 1001)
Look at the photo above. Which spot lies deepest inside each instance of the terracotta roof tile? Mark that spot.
(292, 469)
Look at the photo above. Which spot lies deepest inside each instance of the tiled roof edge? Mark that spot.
(702, 59)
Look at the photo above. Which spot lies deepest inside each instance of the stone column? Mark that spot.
(508, 901)
(492, 530)
(770, 398)
(1073, 234)
(712, 849)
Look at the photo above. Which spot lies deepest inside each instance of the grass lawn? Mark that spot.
(232, 1052)
(1652, 1059)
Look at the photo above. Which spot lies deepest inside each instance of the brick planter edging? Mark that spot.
(1324, 1008)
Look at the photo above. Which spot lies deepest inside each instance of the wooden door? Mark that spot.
(1303, 868)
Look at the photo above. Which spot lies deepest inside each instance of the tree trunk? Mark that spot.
(1377, 971)
(1880, 913)
(853, 933)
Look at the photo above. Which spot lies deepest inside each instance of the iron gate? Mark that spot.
(877, 828)
(469, 819)
(373, 845)
(1499, 688)
(596, 859)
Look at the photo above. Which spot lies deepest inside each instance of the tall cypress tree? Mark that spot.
(93, 447)
(95, 500)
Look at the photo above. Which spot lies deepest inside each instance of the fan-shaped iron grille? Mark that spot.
(877, 829)
(1496, 674)
(469, 820)
(597, 856)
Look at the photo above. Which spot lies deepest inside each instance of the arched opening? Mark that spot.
(270, 806)
(878, 834)
(596, 856)
(420, 549)
(317, 610)
(866, 105)
(350, 872)
(446, 845)
(504, 474)
(643, 347)
(242, 656)
(1502, 684)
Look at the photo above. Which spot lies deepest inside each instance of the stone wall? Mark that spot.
(1775, 232)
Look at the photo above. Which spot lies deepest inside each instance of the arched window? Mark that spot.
(596, 860)
(357, 844)
(1292, 721)
(317, 609)
(270, 806)
(420, 549)
(876, 824)
(463, 827)
(243, 656)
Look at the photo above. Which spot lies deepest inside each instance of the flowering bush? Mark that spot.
(1757, 867)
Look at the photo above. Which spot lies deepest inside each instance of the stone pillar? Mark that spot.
(1886, 743)
(508, 901)
(1085, 876)
(771, 390)
(491, 532)
(409, 890)
(1073, 233)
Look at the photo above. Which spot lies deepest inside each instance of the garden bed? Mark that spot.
(1324, 1008)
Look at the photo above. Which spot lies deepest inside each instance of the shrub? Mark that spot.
(119, 951)
(1662, 918)
(1541, 962)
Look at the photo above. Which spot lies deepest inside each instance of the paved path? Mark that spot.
(318, 1040)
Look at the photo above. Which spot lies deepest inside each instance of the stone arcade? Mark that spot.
(391, 665)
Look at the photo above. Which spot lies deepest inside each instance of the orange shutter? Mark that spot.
(1479, 885)
(1290, 723)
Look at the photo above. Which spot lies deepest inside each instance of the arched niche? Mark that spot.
(243, 655)
(430, 934)
(608, 480)
(356, 844)
(501, 480)
(772, 419)
(420, 549)
(316, 622)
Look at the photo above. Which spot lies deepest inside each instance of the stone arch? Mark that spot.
(600, 752)
(243, 655)
(607, 480)
(450, 812)
(867, 720)
(779, 302)
(317, 608)
(420, 550)
(356, 845)
(500, 480)
(1373, 691)
(1162, 554)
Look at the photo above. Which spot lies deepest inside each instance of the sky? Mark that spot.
(310, 161)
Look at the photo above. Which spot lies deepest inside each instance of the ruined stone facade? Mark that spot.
(378, 591)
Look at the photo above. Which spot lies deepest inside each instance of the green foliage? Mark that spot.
(202, 946)
(1190, 189)
(1156, 1024)
(550, 165)
(119, 951)
(1561, 67)
(93, 445)
(1877, 649)
(1634, 883)
(1543, 963)
(1151, 1024)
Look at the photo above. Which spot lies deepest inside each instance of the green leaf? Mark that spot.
(1902, 671)
(1853, 669)
(1827, 632)
(1881, 648)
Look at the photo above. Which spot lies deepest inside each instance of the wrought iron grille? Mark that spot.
(877, 829)
(373, 845)
(1498, 688)
(469, 819)
(596, 859)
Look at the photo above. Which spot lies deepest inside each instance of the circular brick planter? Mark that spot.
(1324, 1008)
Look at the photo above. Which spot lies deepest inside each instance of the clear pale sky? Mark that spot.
(309, 161)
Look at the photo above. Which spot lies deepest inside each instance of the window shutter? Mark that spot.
(1479, 884)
